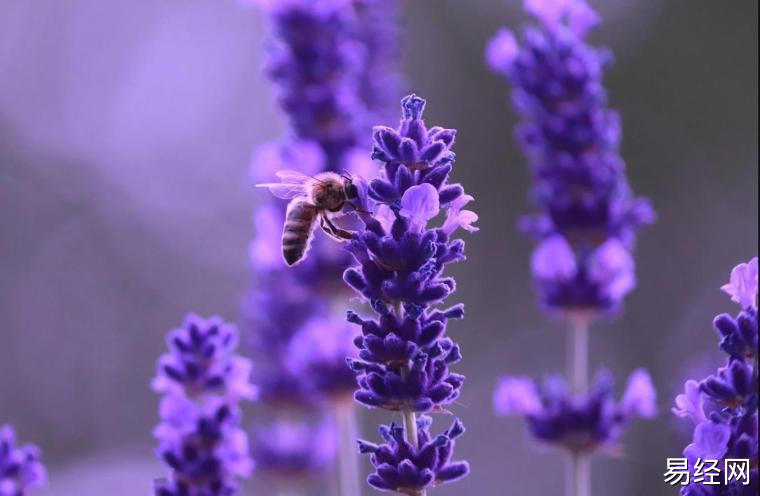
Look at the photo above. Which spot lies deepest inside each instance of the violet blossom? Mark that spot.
(587, 214)
(404, 356)
(199, 435)
(724, 405)
(406, 467)
(585, 225)
(326, 60)
(21, 468)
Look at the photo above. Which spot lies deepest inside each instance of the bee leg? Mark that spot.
(333, 230)
(327, 229)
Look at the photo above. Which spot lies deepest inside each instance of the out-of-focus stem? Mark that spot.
(578, 354)
(579, 464)
(348, 457)
(579, 474)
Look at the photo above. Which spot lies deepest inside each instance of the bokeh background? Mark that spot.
(126, 130)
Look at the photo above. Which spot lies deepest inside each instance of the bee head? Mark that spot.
(352, 192)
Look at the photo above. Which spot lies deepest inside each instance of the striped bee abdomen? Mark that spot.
(297, 230)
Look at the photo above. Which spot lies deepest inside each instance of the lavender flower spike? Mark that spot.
(328, 61)
(21, 470)
(404, 356)
(587, 214)
(199, 435)
(585, 223)
(724, 406)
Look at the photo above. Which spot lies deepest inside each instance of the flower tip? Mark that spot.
(412, 106)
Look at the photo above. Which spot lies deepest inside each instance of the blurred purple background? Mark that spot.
(125, 136)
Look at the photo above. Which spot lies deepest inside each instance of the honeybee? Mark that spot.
(312, 198)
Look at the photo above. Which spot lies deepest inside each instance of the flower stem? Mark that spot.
(410, 428)
(578, 354)
(410, 434)
(579, 463)
(410, 418)
(579, 474)
(348, 463)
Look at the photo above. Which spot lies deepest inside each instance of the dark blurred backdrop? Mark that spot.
(125, 134)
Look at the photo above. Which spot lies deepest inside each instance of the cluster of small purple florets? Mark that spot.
(588, 214)
(724, 406)
(327, 61)
(404, 357)
(21, 469)
(403, 468)
(199, 435)
(586, 423)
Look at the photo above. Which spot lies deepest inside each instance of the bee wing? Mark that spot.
(284, 190)
(292, 177)
(293, 184)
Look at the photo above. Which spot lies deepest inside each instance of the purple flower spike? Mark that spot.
(724, 405)
(571, 140)
(582, 423)
(404, 468)
(325, 65)
(21, 468)
(404, 356)
(199, 434)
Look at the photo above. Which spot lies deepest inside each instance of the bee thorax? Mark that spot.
(329, 192)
